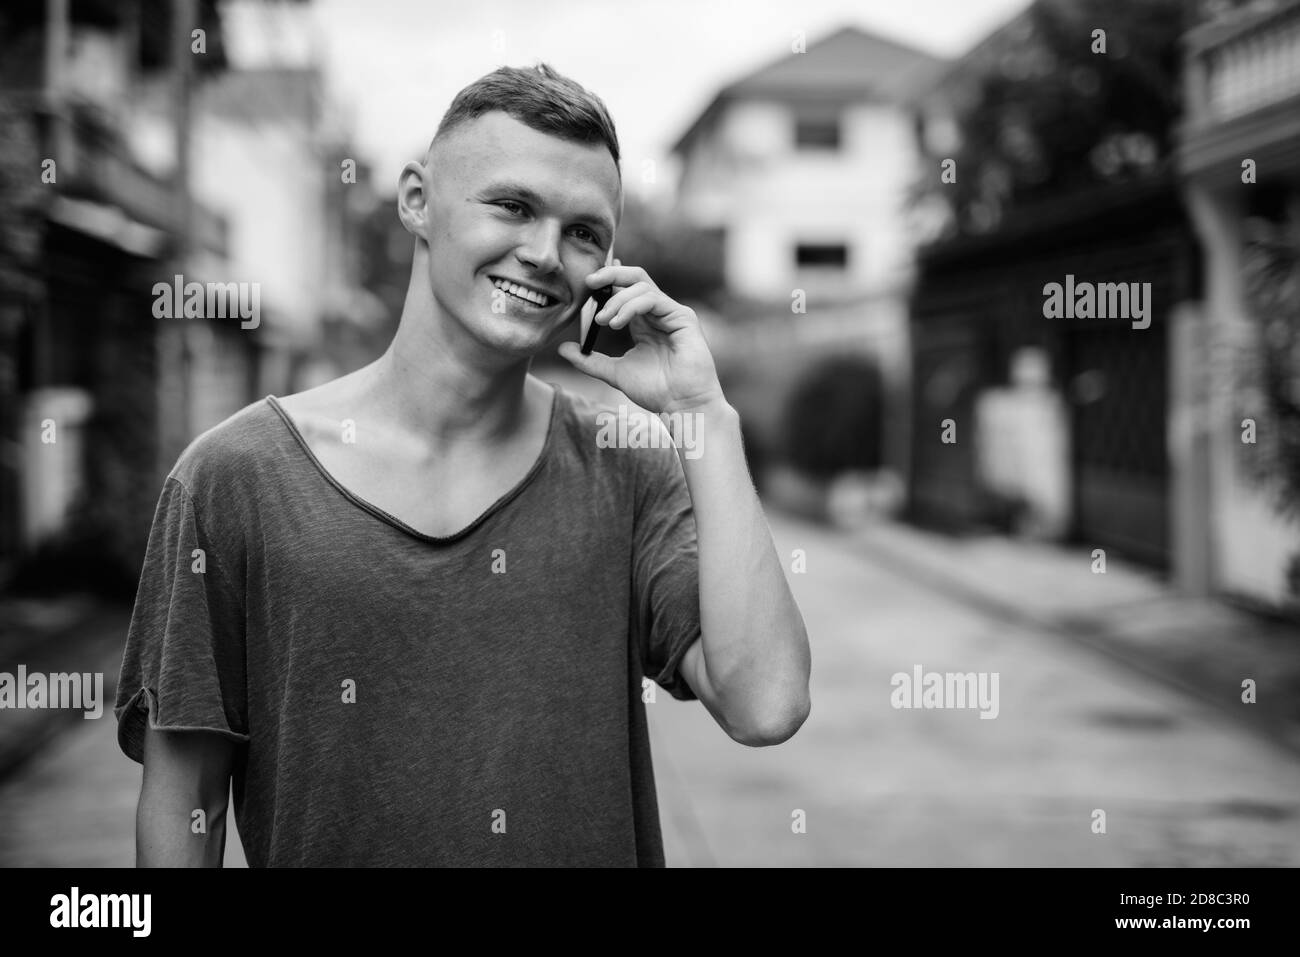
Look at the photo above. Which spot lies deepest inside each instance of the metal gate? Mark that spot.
(1117, 390)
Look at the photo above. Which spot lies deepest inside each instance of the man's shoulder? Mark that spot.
(614, 425)
(579, 409)
(238, 446)
(619, 444)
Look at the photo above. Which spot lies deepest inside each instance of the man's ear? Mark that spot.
(413, 198)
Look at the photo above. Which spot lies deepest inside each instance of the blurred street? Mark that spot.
(884, 787)
(1076, 731)
(1005, 295)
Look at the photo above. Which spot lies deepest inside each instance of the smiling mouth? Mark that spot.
(524, 294)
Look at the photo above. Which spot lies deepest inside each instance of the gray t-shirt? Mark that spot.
(403, 699)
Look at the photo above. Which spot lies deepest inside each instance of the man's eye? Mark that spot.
(510, 206)
(586, 235)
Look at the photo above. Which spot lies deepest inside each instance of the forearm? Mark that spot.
(167, 834)
(181, 818)
(754, 643)
(751, 664)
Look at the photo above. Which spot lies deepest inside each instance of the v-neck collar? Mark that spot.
(396, 522)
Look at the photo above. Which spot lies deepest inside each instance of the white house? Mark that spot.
(802, 169)
(804, 166)
(258, 158)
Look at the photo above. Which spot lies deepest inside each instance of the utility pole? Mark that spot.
(175, 404)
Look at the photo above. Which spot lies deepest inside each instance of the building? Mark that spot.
(1089, 417)
(1048, 421)
(1236, 437)
(801, 170)
(160, 166)
(268, 156)
(87, 229)
(1178, 442)
(802, 165)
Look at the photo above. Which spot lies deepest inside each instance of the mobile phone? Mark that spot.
(601, 296)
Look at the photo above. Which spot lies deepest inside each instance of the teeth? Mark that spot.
(516, 290)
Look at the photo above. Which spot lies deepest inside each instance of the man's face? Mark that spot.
(517, 219)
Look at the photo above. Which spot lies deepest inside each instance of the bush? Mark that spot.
(832, 419)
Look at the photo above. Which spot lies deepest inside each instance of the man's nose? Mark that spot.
(540, 249)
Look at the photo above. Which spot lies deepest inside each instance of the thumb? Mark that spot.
(595, 364)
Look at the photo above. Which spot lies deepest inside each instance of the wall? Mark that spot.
(747, 175)
(268, 182)
(1251, 544)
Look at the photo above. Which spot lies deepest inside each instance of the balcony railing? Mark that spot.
(1245, 64)
(95, 165)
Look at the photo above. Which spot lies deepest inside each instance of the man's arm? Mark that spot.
(184, 772)
(751, 665)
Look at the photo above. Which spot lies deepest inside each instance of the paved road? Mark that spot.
(878, 785)
(892, 787)
(74, 806)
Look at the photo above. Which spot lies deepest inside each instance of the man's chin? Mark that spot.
(567, 330)
(517, 342)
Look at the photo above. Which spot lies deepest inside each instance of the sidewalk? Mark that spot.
(71, 633)
(1202, 647)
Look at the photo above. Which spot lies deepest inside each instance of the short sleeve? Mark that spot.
(665, 570)
(183, 666)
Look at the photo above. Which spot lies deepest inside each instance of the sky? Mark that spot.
(393, 66)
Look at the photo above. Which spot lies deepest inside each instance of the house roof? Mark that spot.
(849, 64)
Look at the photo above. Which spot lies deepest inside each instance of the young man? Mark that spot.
(409, 611)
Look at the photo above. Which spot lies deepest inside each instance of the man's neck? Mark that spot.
(446, 392)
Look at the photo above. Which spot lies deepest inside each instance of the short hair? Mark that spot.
(539, 97)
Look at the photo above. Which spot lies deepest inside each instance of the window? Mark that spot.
(817, 132)
(821, 256)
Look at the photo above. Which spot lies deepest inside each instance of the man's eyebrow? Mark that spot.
(532, 196)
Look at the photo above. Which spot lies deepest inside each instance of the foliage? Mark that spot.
(1270, 375)
(1046, 116)
(833, 417)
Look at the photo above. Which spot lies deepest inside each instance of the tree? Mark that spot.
(1268, 383)
(1050, 116)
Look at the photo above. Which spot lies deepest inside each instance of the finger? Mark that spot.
(641, 330)
(618, 275)
(595, 364)
(652, 306)
(622, 298)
